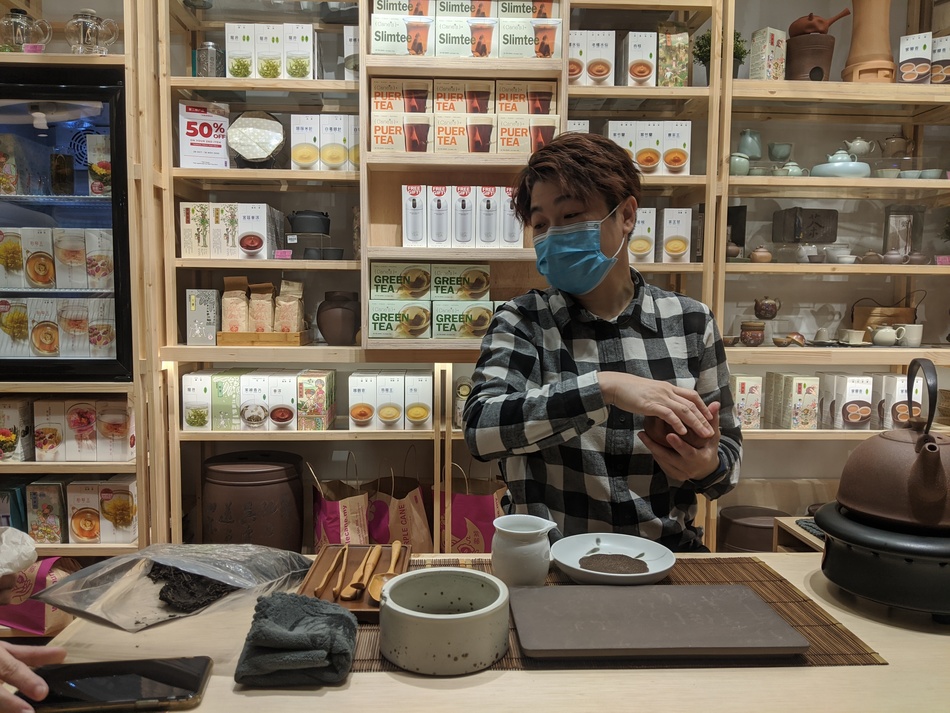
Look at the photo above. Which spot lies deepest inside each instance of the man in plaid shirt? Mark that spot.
(568, 377)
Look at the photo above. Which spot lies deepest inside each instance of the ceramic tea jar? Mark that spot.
(338, 318)
(767, 308)
(738, 165)
(733, 250)
(752, 334)
(760, 254)
(520, 551)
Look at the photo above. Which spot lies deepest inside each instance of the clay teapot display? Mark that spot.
(893, 257)
(871, 258)
(795, 170)
(760, 254)
(812, 23)
(767, 308)
(733, 250)
(902, 477)
(860, 147)
(841, 156)
(896, 145)
(916, 258)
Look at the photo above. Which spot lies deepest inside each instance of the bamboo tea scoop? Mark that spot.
(339, 580)
(375, 587)
(354, 590)
(318, 590)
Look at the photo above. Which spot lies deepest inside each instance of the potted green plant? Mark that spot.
(702, 51)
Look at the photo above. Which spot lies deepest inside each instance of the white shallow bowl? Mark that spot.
(841, 169)
(568, 551)
(443, 621)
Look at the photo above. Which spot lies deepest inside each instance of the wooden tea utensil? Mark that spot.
(339, 580)
(375, 586)
(318, 590)
(354, 589)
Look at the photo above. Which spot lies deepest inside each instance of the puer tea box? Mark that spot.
(385, 96)
(49, 429)
(390, 400)
(202, 317)
(399, 281)
(439, 221)
(269, 51)
(747, 396)
(196, 392)
(511, 97)
(419, 400)
(362, 409)
(460, 282)
(514, 134)
(414, 216)
(387, 133)
(316, 400)
(449, 96)
(409, 319)
(254, 406)
(118, 505)
(80, 435)
(115, 420)
(82, 511)
(461, 320)
(451, 135)
(46, 510)
(239, 50)
(282, 400)
(16, 429)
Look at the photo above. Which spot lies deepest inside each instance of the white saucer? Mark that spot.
(568, 551)
(860, 344)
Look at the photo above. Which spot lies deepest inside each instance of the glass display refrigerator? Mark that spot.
(65, 283)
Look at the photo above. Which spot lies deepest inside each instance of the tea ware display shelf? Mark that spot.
(55, 59)
(188, 181)
(694, 13)
(188, 19)
(779, 268)
(278, 265)
(823, 357)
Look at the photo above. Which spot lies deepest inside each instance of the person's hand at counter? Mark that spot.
(682, 460)
(681, 408)
(15, 664)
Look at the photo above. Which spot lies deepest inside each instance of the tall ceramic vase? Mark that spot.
(870, 58)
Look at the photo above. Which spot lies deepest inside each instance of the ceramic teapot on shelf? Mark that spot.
(760, 254)
(871, 258)
(841, 156)
(916, 258)
(860, 147)
(893, 257)
(902, 477)
(896, 145)
(885, 335)
(795, 170)
(767, 308)
(812, 23)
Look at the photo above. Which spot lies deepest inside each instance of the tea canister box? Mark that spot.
(82, 509)
(46, 510)
(16, 430)
(767, 54)
(852, 403)
(914, 56)
(418, 400)
(194, 229)
(226, 399)
(118, 508)
(115, 422)
(673, 58)
(49, 429)
(638, 53)
(392, 319)
(362, 406)
(889, 408)
(202, 317)
(196, 391)
(827, 380)
(600, 57)
(316, 400)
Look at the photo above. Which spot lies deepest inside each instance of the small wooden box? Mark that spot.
(263, 339)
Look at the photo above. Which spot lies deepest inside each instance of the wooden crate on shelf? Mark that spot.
(263, 339)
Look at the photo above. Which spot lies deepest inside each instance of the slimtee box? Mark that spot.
(529, 39)
(404, 7)
(389, 35)
(466, 37)
(467, 8)
(638, 60)
(528, 8)
(642, 244)
(414, 216)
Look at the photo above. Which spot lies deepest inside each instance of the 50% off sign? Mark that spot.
(203, 135)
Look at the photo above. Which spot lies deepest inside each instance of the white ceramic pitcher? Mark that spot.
(520, 551)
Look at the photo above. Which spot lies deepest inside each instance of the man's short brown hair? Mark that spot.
(582, 166)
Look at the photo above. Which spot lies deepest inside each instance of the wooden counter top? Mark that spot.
(915, 648)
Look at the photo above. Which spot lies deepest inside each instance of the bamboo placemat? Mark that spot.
(831, 644)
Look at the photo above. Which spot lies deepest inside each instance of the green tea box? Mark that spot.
(239, 50)
(390, 319)
(196, 390)
(460, 282)
(399, 281)
(461, 320)
(226, 400)
(269, 51)
(298, 48)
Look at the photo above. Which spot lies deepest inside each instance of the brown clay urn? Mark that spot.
(812, 23)
(901, 478)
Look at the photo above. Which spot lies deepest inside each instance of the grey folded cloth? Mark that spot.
(297, 640)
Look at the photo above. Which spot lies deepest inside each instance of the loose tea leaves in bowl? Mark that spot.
(613, 564)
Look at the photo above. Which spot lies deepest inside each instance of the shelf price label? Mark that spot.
(203, 135)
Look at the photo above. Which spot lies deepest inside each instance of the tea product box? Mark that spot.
(11, 258)
(889, 408)
(767, 54)
(49, 429)
(529, 39)
(40, 270)
(353, 141)
(827, 381)
(385, 96)
(100, 259)
(362, 413)
(46, 510)
(851, 407)
(642, 243)
(399, 281)
(648, 145)
(638, 60)
(16, 429)
(118, 506)
(13, 501)
(577, 57)
(102, 328)
(461, 320)
(424, 8)
(298, 51)
(194, 229)
(99, 156)
(418, 396)
(253, 398)
(351, 53)
(203, 134)
(316, 400)
(402, 132)
(15, 336)
(282, 400)
(914, 56)
(466, 37)
(798, 399)
(226, 400)
(414, 216)
(304, 142)
(440, 217)
(449, 96)
(747, 396)
(514, 134)
(390, 400)
(601, 46)
(80, 434)
(334, 153)
(460, 282)
(202, 317)
(529, 8)
(509, 224)
(675, 224)
(411, 319)
(269, 51)
(259, 231)
(73, 315)
(45, 335)
(511, 97)
(402, 36)
(624, 134)
(542, 98)
(467, 8)
(239, 50)
(223, 231)
(463, 199)
(69, 257)
(82, 511)
(676, 148)
(940, 60)
(115, 420)
(451, 133)
(673, 58)
(196, 390)
(487, 214)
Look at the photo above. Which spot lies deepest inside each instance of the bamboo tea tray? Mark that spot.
(263, 339)
(363, 609)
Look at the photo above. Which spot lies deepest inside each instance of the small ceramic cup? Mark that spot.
(887, 173)
(913, 335)
(932, 173)
(851, 336)
(779, 171)
(909, 174)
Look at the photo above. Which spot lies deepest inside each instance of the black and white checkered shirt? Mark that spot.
(565, 455)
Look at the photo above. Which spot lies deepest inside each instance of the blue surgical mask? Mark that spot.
(569, 256)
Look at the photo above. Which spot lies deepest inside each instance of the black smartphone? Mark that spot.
(141, 685)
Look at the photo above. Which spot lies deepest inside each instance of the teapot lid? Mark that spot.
(17, 11)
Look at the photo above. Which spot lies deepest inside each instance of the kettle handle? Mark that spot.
(930, 378)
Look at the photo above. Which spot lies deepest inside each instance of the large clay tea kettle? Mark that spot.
(812, 23)
(901, 479)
